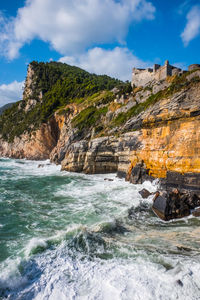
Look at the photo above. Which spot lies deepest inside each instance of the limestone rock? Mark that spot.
(158, 139)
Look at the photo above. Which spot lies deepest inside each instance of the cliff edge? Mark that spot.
(96, 124)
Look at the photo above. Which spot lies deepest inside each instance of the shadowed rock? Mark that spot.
(145, 193)
(175, 204)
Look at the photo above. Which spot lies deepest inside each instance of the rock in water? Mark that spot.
(196, 213)
(41, 166)
(174, 204)
(145, 193)
(160, 206)
(179, 282)
(108, 179)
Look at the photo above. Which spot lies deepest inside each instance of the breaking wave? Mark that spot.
(76, 236)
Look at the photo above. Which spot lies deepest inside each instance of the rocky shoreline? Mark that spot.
(148, 133)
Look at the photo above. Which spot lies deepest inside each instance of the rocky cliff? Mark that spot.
(148, 132)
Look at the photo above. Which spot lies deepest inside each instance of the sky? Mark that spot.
(101, 36)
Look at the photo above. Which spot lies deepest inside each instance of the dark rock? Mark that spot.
(108, 179)
(175, 204)
(156, 195)
(196, 213)
(185, 182)
(139, 174)
(41, 166)
(121, 174)
(179, 282)
(160, 206)
(145, 193)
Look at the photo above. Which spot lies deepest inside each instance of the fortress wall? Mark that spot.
(161, 73)
(141, 78)
(176, 71)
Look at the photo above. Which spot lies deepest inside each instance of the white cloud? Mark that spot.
(11, 92)
(117, 62)
(192, 28)
(71, 26)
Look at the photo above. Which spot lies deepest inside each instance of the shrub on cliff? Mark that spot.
(60, 84)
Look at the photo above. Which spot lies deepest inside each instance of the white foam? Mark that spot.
(9, 274)
(136, 270)
(33, 244)
(21, 168)
(63, 278)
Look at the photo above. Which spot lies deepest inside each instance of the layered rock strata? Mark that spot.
(161, 140)
(36, 146)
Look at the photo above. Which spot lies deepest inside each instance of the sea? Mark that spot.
(75, 236)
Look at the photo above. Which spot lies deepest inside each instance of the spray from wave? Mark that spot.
(76, 236)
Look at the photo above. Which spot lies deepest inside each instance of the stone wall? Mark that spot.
(158, 73)
(142, 77)
(162, 73)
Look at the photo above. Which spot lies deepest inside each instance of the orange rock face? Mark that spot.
(170, 136)
(174, 146)
(165, 136)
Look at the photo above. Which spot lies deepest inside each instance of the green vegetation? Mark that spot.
(61, 84)
(125, 88)
(64, 111)
(89, 117)
(178, 83)
(135, 110)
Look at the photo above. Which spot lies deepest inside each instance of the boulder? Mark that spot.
(175, 204)
(139, 173)
(41, 166)
(196, 212)
(145, 193)
(160, 206)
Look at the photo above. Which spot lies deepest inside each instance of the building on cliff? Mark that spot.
(141, 77)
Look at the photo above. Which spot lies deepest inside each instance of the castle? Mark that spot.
(141, 77)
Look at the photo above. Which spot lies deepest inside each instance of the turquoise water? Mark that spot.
(74, 236)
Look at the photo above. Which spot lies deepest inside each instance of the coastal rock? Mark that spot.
(196, 213)
(145, 193)
(139, 174)
(96, 156)
(175, 204)
(37, 145)
(151, 132)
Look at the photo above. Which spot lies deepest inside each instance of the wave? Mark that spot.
(71, 275)
(77, 236)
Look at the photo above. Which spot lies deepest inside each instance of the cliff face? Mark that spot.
(151, 132)
(37, 145)
(170, 135)
(165, 138)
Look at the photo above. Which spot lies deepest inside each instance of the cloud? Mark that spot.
(184, 6)
(11, 92)
(192, 28)
(117, 62)
(71, 26)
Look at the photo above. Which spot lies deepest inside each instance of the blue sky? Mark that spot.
(101, 36)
